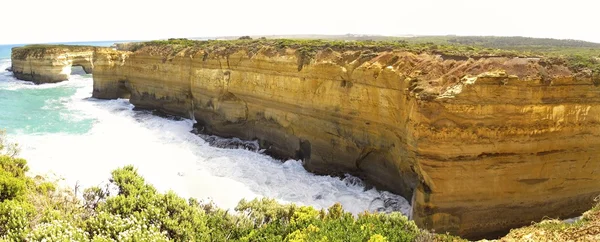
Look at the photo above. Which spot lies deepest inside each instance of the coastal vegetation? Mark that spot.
(39, 50)
(587, 228)
(578, 55)
(129, 209)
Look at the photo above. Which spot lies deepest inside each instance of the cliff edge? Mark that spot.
(50, 63)
(480, 143)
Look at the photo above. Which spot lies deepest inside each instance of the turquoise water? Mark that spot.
(62, 130)
(27, 108)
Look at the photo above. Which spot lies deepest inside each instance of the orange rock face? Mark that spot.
(50, 63)
(507, 151)
(479, 146)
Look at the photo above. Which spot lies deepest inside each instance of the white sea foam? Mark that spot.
(172, 158)
(4, 63)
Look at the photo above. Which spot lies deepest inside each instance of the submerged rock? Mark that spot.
(230, 143)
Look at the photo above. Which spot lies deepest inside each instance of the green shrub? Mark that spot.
(112, 227)
(174, 215)
(134, 194)
(57, 230)
(93, 196)
(45, 188)
(130, 183)
(107, 225)
(14, 219)
(222, 225)
(11, 187)
(141, 232)
(34, 209)
(180, 220)
(16, 166)
(278, 222)
(265, 210)
(389, 225)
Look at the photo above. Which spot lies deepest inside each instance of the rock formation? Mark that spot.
(479, 145)
(50, 63)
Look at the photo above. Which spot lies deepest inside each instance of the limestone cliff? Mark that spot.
(50, 63)
(480, 145)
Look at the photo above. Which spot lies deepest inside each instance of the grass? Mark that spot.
(585, 229)
(337, 45)
(39, 50)
(579, 56)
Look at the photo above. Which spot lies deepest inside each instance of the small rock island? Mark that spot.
(479, 143)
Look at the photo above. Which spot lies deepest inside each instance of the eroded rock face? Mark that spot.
(50, 63)
(481, 146)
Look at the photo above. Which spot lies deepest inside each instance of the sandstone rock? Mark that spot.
(126, 46)
(478, 146)
(49, 63)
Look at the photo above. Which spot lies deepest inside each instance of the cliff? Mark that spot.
(479, 143)
(50, 63)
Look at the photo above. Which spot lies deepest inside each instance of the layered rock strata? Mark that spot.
(478, 145)
(50, 63)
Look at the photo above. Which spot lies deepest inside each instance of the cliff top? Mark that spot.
(313, 45)
(576, 55)
(511, 42)
(431, 69)
(39, 50)
(584, 228)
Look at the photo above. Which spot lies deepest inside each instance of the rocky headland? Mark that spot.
(50, 63)
(480, 143)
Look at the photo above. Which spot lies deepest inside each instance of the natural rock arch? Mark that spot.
(85, 62)
(49, 64)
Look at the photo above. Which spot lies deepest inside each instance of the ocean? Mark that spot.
(66, 135)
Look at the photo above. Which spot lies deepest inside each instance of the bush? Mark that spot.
(11, 187)
(57, 230)
(94, 195)
(14, 219)
(179, 219)
(111, 227)
(136, 199)
(17, 167)
(34, 209)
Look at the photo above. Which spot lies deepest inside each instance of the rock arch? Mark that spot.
(49, 64)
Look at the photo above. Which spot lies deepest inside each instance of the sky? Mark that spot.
(40, 21)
